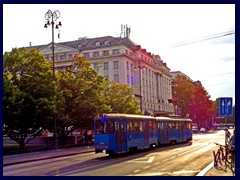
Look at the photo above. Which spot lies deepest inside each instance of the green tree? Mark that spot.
(201, 108)
(121, 98)
(26, 94)
(81, 90)
(182, 90)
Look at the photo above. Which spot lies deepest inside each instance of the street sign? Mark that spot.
(225, 106)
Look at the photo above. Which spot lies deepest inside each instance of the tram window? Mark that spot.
(136, 126)
(100, 127)
(154, 126)
(150, 125)
(111, 126)
(177, 125)
(116, 126)
(183, 125)
(141, 126)
(130, 126)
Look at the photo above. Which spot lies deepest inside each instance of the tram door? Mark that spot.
(121, 140)
(164, 135)
(146, 133)
(181, 126)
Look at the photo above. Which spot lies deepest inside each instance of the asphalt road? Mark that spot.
(187, 159)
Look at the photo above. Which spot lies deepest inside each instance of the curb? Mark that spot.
(205, 170)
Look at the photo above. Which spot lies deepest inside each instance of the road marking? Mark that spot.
(151, 159)
(146, 167)
(205, 170)
(172, 157)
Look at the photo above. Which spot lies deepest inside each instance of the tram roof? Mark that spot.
(173, 119)
(108, 115)
(120, 115)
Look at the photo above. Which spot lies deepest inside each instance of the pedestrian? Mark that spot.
(89, 133)
(231, 142)
(86, 137)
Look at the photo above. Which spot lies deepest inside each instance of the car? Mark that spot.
(195, 128)
(203, 129)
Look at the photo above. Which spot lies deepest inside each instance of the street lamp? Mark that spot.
(53, 17)
(140, 67)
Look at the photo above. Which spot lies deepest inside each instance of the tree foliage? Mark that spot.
(121, 98)
(193, 99)
(26, 94)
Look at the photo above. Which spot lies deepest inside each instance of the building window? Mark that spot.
(105, 53)
(132, 80)
(106, 42)
(127, 66)
(131, 67)
(128, 79)
(80, 46)
(115, 51)
(86, 55)
(95, 54)
(95, 65)
(105, 66)
(115, 65)
(62, 57)
(97, 43)
(70, 56)
(116, 77)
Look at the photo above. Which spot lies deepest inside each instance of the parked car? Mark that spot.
(203, 129)
(195, 128)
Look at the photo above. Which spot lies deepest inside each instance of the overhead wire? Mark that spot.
(183, 43)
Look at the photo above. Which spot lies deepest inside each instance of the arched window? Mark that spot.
(106, 42)
(97, 43)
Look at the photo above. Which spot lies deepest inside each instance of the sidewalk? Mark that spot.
(34, 156)
(218, 171)
(210, 170)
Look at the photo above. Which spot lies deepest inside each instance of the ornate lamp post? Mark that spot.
(52, 17)
(140, 67)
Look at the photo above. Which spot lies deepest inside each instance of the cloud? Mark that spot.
(228, 58)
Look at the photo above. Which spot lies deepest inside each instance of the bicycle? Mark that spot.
(220, 155)
(231, 158)
(226, 155)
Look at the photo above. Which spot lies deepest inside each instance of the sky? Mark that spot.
(156, 27)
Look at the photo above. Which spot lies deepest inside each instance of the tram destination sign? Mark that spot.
(225, 106)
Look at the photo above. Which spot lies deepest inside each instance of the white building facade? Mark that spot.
(123, 61)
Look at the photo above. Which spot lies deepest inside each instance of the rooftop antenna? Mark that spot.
(121, 30)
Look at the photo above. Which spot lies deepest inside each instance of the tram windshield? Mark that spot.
(103, 127)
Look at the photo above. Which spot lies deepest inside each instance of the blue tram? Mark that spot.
(119, 133)
(172, 130)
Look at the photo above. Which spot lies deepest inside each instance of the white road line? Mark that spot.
(205, 170)
(151, 159)
(136, 171)
(172, 157)
(146, 167)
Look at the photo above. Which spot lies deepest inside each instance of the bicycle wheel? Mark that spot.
(216, 157)
(233, 164)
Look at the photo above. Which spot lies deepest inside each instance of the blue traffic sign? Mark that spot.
(225, 106)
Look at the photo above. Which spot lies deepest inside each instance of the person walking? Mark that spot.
(231, 142)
